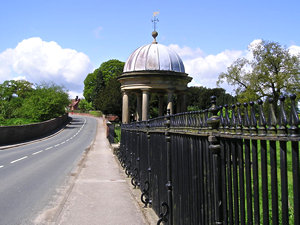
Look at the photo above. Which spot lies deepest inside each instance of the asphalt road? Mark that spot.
(30, 174)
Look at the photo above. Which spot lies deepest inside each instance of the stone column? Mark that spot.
(145, 105)
(179, 102)
(125, 108)
(170, 101)
(138, 106)
(161, 105)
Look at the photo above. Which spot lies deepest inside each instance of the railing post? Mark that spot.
(149, 164)
(146, 196)
(294, 132)
(167, 214)
(169, 170)
(214, 146)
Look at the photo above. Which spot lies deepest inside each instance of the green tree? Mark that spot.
(20, 102)
(15, 88)
(92, 85)
(95, 82)
(199, 97)
(109, 100)
(85, 106)
(271, 72)
(111, 69)
(45, 102)
(102, 88)
(12, 95)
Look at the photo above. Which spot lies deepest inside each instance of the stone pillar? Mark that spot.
(161, 105)
(178, 105)
(125, 108)
(170, 101)
(145, 105)
(138, 106)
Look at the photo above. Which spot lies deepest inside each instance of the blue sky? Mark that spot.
(62, 41)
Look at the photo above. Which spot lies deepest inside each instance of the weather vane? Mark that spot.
(155, 20)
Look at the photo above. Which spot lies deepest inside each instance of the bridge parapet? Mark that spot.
(16, 134)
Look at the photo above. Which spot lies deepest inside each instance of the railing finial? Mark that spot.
(294, 119)
(272, 119)
(262, 120)
(282, 131)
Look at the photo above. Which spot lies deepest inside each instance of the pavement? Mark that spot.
(99, 193)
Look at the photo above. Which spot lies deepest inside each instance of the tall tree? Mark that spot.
(93, 83)
(15, 88)
(109, 100)
(272, 71)
(111, 69)
(102, 88)
(21, 99)
(12, 95)
(45, 102)
(199, 97)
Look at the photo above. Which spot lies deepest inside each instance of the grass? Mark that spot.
(270, 188)
(93, 112)
(16, 122)
(117, 133)
(96, 113)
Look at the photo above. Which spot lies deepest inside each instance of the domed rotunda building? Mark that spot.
(153, 68)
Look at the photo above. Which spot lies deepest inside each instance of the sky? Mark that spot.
(63, 41)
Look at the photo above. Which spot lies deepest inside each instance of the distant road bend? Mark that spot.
(30, 174)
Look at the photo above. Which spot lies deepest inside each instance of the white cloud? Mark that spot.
(254, 43)
(205, 69)
(186, 52)
(294, 49)
(73, 94)
(38, 61)
(20, 78)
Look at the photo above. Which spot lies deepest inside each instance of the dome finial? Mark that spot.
(154, 35)
(154, 32)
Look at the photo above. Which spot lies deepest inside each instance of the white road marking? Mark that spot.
(19, 159)
(1, 166)
(37, 152)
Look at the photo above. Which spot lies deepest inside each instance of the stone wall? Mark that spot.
(16, 134)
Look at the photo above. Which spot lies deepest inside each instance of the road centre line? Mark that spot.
(24, 157)
(37, 152)
(19, 159)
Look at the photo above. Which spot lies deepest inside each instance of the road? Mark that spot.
(30, 174)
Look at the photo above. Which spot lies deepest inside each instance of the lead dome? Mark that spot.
(154, 56)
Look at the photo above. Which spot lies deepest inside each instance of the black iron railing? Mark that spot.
(111, 132)
(223, 165)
